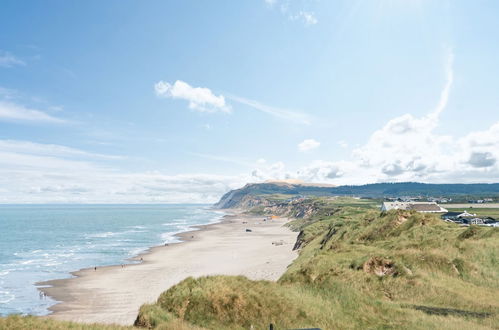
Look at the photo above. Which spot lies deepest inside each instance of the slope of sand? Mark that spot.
(114, 294)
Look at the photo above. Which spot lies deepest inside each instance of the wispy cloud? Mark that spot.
(7, 93)
(32, 172)
(52, 150)
(308, 18)
(15, 112)
(343, 144)
(444, 95)
(226, 159)
(293, 13)
(308, 144)
(200, 98)
(7, 60)
(409, 148)
(291, 115)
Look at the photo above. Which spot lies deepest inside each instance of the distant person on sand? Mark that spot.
(95, 268)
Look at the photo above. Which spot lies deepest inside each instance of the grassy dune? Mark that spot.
(357, 269)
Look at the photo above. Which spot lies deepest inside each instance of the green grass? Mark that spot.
(357, 269)
(17, 322)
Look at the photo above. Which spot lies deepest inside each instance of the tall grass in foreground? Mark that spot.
(18, 322)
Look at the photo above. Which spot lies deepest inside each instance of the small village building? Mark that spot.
(423, 207)
(476, 221)
(466, 214)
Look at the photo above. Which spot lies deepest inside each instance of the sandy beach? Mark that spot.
(114, 294)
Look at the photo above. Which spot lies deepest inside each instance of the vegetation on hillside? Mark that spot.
(357, 268)
(459, 192)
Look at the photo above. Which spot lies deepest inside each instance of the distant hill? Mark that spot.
(375, 190)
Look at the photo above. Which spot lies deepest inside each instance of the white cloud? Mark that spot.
(263, 172)
(226, 159)
(8, 60)
(343, 144)
(40, 173)
(308, 18)
(308, 144)
(7, 93)
(203, 100)
(52, 150)
(199, 98)
(293, 12)
(320, 171)
(482, 159)
(409, 148)
(290, 115)
(16, 112)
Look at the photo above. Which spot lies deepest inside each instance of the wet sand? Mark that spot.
(113, 294)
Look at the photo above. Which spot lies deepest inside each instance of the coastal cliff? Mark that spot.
(249, 195)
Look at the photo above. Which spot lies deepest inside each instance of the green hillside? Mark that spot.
(461, 192)
(357, 269)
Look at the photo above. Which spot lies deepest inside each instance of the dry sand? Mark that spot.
(114, 294)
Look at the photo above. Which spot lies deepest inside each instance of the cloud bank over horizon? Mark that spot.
(406, 148)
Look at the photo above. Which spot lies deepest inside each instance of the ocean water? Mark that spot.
(44, 242)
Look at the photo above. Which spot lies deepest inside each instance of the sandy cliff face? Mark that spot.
(249, 194)
(243, 197)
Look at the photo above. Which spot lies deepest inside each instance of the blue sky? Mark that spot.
(179, 101)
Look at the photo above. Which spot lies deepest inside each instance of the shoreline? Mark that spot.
(182, 237)
(113, 294)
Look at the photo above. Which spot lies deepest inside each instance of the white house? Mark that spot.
(423, 207)
(465, 214)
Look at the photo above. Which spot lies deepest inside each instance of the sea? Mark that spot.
(45, 242)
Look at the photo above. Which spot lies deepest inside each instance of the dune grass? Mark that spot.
(357, 269)
(17, 322)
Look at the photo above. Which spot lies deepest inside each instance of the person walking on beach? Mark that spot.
(95, 269)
